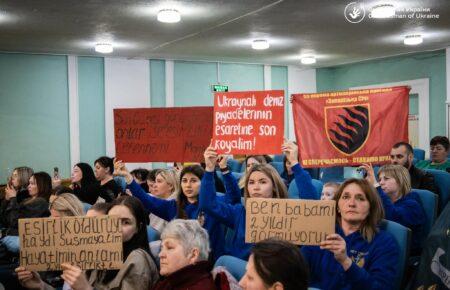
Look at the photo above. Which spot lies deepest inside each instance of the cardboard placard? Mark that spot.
(88, 242)
(249, 122)
(162, 134)
(299, 221)
(350, 127)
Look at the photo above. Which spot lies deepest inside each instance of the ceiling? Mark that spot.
(220, 30)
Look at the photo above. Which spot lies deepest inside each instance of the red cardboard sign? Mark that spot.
(348, 128)
(249, 122)
(162, 134)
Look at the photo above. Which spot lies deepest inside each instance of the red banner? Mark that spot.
(348, 128)
(162, 134)
(249, 122)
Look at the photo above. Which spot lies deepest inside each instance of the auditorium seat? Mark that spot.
(335, 174)
(234, 265)
(429, 202)
(442, 181)
(234, 165)
(278, 158)
(152, 234)
(279, 166)
(402, 236)
(419, 154)
(293, 190)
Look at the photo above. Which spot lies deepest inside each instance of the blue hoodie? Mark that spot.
(167, 210)
(374, 264)
(407, 211)
(233, 216)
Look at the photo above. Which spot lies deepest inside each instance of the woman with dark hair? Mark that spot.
(84, 183)
(103, 170)
(185, 206)
(275, 264)
(141, 176)
(261, 180)
(359, 255)
(138, 271)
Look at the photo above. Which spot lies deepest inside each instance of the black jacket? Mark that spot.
(421, 179)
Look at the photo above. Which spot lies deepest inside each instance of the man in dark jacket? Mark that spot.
(402, 154)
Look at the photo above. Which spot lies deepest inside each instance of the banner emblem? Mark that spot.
(347, 127)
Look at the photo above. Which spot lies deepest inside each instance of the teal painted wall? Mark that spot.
(280, 82)
(91, 95)
(192, 83)
(242, 77)
(34, 115)
(394, 69)
(157, 83)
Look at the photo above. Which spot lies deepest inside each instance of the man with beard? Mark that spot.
(402, 154)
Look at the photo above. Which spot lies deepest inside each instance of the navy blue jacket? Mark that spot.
(407, 211)
(167, 210)
(374, 264)
(233, 215)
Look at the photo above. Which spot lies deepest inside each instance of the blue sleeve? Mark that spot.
(406, 213)
(233, 192)
(306, 189)
(312, 256)
(383, 267)
(212, 205)
(165, 209)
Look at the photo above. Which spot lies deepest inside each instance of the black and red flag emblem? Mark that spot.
(348, 127)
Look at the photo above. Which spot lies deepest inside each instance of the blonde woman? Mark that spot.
(66, 204)
(400, 204)
(166, 186)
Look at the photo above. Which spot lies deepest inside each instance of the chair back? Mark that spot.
(402, 236)
(279, 166)
(234, 165)
(442, 181)
(234, 265)
(278, 158)
(335, 174)
(429, 202)
(152, 234)
(293, 189)
(419, 154)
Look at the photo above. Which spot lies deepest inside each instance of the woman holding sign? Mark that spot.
(138, 271)
(401, 205)
(359, 255)
(186, 205)
(260, 181)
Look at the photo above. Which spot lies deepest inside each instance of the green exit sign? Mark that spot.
(219, 88)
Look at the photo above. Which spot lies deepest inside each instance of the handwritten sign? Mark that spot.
(88, 242)
(301, 222)
(249, 122)
(162, 134)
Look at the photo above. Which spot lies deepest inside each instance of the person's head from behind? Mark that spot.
(82, 174)
(359, 205)
(98, 209)
(166, 183)
(21, 177)
(439, 148)
(103, 168)
(66, 204)
(139, 175)
(262, 180)
(151, 176)
(184, 243)
(394, 180)
(329, 189)
(402, 154)
(60, 189)
(134, 220)
(40, 185)
(276, 265)
(254, 159)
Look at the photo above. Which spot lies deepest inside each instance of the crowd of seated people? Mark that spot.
(197, 224)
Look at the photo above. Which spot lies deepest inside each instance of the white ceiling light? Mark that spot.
(260, 44)
(383, 11)
(169, 16)
(308, 60)
(103, 48)
(413, 39)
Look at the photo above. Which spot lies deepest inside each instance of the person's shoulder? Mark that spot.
(422, 164)
(140, 257)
